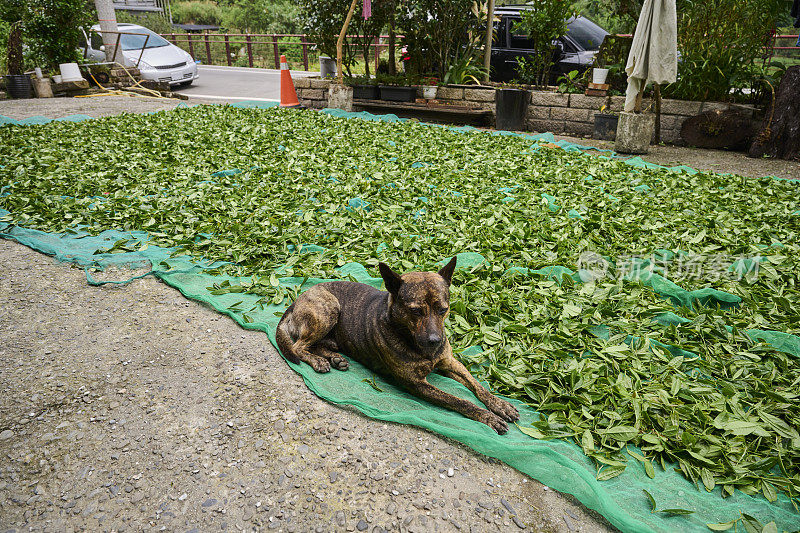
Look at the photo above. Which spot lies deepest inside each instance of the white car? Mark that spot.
(160, 60)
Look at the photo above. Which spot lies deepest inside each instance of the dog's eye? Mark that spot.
(416, 311)
(443, 311)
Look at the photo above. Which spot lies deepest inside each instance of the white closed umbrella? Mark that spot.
(654, 51)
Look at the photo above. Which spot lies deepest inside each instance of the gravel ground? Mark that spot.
(132, 408)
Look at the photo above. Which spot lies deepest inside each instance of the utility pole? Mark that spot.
(108, 23)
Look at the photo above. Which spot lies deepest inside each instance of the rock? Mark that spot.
(6, 434)
(362, 525)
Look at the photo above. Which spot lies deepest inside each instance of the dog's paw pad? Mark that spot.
(340, 363)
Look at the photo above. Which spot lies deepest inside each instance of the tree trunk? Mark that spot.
(392, 39)
(780, 135)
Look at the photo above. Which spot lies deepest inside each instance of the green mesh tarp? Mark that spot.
(557, 463)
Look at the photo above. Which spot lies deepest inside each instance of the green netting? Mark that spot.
(557, 463)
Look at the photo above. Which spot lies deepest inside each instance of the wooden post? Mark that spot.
(487, 56)
(392, 41)
(340, 42)
(208, 48)
(277, 52)
(657, 89)
(227, 50)
(249, 51)
(191, 45)
(305, 53)
(377, 53)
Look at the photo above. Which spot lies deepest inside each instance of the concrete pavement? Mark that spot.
(234, 84)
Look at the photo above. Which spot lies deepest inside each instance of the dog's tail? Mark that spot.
(285, 342)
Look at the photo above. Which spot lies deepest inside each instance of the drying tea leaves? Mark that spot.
(637, 373)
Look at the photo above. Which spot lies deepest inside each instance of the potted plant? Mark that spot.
(396, 89)
(605, 125)
(363, 88)
(17, 83)
(430, 86)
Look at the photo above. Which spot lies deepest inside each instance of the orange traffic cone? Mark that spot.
(288, 94)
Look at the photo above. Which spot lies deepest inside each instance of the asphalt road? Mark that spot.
(234, 84)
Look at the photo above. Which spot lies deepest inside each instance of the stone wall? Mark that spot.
(564, 114)
(573, 114)
(312, 92)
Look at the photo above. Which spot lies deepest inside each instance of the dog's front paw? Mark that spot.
(504, 410)
(320, 365)
(494, 422)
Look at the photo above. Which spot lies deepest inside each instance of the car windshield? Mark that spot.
(135, 42)
(586, 33)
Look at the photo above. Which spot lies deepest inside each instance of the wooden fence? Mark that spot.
(256, 49)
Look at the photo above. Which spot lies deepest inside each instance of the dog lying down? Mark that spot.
(399, 333)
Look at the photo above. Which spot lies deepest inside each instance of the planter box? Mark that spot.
(365, 92)
(398, 94)
(605, 127)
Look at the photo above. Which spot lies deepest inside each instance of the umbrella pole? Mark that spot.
(657, 89)
(637, 104)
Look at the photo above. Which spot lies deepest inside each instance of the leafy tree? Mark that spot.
(262, 16)
(435, 31)
(323, 20)
(544, 22)
(53, 29)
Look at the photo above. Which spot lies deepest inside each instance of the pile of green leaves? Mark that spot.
(608, 363)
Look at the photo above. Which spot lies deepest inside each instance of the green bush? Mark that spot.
(153, 21)
(544, 22)
(261, 16)
(50, 30)
(323, 20)
(197, 12)
(719, 42)
(435, 32)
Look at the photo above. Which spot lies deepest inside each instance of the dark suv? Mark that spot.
(574, 51)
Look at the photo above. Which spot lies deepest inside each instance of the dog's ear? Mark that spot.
(390, 278)
(447, 271)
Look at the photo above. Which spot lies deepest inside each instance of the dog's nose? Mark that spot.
(434, 339)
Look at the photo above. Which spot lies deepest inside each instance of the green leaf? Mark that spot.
(651, 500)
(724, 526)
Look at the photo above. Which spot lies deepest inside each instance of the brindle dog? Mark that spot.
(399, 333)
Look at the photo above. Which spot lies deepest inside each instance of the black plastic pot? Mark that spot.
(19, 86)
(605, 126)
(398, 94)
(366, 92)
(512, 106)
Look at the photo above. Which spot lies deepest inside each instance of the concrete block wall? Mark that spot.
(564, 114)
(312, 92)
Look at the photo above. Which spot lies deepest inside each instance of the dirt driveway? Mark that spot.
(131, 408)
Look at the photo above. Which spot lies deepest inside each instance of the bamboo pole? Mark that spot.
(487, 58)
(340, 42)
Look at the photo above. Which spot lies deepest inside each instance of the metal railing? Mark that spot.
(254, 46)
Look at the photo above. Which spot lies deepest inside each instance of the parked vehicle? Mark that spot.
(574, 51)
(156, 58)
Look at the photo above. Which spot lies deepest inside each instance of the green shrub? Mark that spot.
(197, 12)
(153, 21)
(435, 32)
(262, 16)
(544, 22)
(719, 42)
